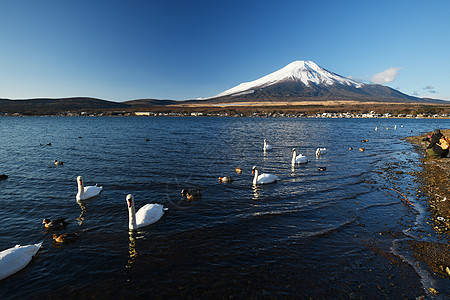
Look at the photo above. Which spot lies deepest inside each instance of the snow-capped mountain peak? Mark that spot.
(306, 72)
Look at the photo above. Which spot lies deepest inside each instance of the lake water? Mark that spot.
(340, 233)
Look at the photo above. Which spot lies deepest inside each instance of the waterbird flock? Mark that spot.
(18, 257)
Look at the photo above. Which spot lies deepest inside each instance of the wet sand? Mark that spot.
(434, 184)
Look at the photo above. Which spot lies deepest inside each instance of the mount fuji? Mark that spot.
(306, 81)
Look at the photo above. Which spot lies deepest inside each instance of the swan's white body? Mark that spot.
(264, 178)
(266, 146)
(86, 192)
(146, 215)
(298, 159)
(16, 258)
(321, 151)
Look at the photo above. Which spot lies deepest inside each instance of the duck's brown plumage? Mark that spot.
(55, 224)
(191, 194)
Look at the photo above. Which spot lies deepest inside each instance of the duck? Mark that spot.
(322, 168)
(86, 192)
(238, 170)
(3, 177)
(266, 146)
(58, 163)
(146, 215)
(298, 159)
(320, 151)
(63, 238)
(376, 128)
(16, 258)
(55, 224)
(362, 149)
(363, 141)
(350, 148)
(226, 179)
(191, 194)
(264, 178)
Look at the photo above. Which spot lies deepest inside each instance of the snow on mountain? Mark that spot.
(306, 72)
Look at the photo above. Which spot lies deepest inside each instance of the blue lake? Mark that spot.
(338, 233)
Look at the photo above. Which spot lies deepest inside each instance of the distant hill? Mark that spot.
(150, 102)
(51, 106)
(42, 106)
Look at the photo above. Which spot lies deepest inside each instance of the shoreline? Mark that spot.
(433, 182)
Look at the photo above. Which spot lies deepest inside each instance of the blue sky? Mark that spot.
(124, 50)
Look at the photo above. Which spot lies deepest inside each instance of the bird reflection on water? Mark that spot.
(255, 192)
(80, 218)
(131, 249)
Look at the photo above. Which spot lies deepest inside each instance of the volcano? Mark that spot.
(306, 81)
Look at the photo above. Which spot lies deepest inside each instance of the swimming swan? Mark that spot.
(298, 159)
(86, 192)
(321, 151)
(266, 146)
(16, 258)
(264, 178)
(146, 215)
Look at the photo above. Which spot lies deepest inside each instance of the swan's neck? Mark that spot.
(294, 156)
(255, 179)
(132, 217)
(80, 188)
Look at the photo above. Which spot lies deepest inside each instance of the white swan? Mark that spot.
(266, 146)
(16, 258)
(146, 215)
(321, 151)
(298, 159)
(264, 178)
(86, 192)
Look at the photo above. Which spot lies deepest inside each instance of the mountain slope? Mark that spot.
(306, 72)
(305, 80)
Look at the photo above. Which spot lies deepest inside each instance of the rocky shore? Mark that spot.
(434, 181)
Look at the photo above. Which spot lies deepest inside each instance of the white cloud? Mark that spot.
(385, 76)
